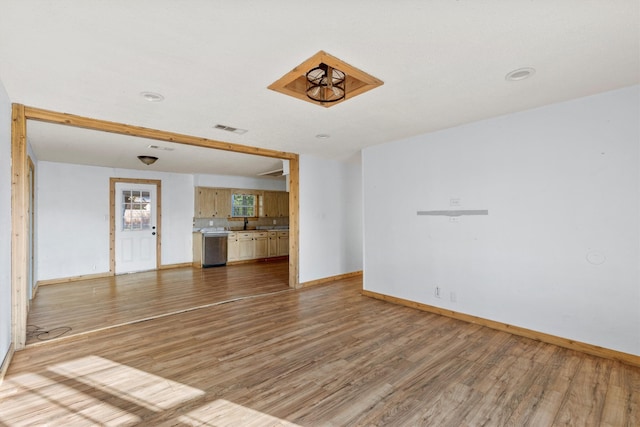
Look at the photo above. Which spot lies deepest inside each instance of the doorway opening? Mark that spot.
(20, 222)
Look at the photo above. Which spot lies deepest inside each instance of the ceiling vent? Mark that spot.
(157, 147)
(231, 129)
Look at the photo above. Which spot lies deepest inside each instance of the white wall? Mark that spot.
(226, 181)
(330, 218)
(562, 187)
(5, 220)
(73, 218)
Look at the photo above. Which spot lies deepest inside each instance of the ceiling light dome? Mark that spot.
(147, 160)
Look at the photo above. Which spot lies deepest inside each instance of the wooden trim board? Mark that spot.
(591, 349)
(72, 279)
(294, 221)
(124, 129)
(177, 265)
(19, 227)
(330, 279)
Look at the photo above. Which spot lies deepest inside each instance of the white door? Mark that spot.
(135, 224)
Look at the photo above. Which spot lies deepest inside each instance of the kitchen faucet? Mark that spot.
(246, 221)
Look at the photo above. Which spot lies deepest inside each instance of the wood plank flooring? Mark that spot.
(66, 309)
(319, 356)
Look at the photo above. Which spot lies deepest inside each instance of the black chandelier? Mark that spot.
(325, 84)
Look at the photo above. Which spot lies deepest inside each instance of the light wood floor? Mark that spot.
(323, 355)
(67, 309)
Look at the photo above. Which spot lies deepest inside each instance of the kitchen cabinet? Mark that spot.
(283, 203)
(256, 244)
(273, 243)
(260, 244)
(245, 245)
(223, 203)
(212, 202)
(233, 247)
(275, 204)
(197, 249)
(283, 243)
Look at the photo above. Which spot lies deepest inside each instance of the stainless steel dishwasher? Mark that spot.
(214, 249)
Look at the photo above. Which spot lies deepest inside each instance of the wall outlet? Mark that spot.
(211, 223)
(437, 292)
(274, 222)
(453, 297)
(454, 219)
(454, 201)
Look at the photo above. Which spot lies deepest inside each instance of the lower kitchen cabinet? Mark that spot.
(233, 247)
(245, 243)
(260, 244)
(283, 243)
(273, 244)
(257, 244)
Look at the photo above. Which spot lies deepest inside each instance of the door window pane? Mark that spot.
(136, 210)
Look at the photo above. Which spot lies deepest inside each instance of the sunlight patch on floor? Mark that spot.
(142, 388)
(48, 400)
(222, 413)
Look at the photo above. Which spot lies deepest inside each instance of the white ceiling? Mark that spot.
(443, 63)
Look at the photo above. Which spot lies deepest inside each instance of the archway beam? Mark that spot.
(32, 113)
(19, 193)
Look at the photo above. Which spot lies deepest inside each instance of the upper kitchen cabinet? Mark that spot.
(275, 204)
(212, 202)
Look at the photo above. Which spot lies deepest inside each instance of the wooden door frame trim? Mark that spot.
(31, 185)
(19, 222)
(112, 218)
(19, 227)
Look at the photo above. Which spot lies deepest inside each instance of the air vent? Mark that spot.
(157, 147)
(230, 129)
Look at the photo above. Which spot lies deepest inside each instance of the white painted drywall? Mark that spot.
(226, 181)
(330, 218)
(5, 220)
(73, 218)
(559, 251)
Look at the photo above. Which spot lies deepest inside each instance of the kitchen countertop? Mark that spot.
(222, 230)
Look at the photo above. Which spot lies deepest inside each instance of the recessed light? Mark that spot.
(323, 136)
(152, 96)
(520, 74)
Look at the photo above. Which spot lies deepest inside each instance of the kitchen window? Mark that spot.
(244, 205)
